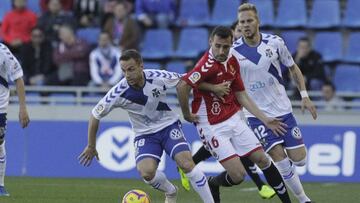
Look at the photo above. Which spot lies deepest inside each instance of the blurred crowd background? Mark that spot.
(78, 42)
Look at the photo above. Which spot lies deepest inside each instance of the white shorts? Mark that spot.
(229, 138)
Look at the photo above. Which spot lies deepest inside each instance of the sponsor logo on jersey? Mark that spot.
(257, 85)
(175, 134)
(194, 77)
(296, 133)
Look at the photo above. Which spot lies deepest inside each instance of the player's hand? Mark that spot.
(192, 118)
(23, 117)
(276, 126)
(221, 90)
(87, 155)
(307, 103)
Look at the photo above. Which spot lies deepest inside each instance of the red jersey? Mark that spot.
(211, 71)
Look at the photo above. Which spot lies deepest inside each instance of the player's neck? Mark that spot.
(253, 41)
(140, 84)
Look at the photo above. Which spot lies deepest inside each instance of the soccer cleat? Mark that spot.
(184, 180)
(3, 191)
(266, 192)
(171, 198)
(215, 190)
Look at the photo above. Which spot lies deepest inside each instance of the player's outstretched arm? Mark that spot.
(300, 83)
(23, 114)
(273, 123)
(220, 90)
(90, 152)
(183, 91)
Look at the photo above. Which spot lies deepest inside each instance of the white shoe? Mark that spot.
(171, 198)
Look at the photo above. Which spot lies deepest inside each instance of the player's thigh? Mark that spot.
(184, 161)
(217, 141)
(2, 127)
(234, 168)
(173, 140)
(297, 154)
(148, 146)
(244, 140)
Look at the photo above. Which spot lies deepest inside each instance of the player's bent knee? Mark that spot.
(262, 162)
(237, 178)
(186, 165)
(147, 175)
(301, 162)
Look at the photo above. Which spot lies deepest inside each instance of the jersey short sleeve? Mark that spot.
(202, 70)
(284, 54)
(12, 65)
(110, 100)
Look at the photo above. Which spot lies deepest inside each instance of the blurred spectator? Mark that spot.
(17, 25)
(310, 63)
(104, 63)
(71, 57)
(36, 58)
(123, 30)
(53, 19)
(109, 5)
(155, 13)
(332, 102)
(236, 30)
(87, 12)
(67, 5)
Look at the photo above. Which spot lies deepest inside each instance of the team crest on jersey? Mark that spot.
(175, 134)
(268, 53)
(296, 133)
(194, 77)
(156, 92)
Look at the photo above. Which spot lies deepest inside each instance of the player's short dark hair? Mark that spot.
(222, 31)
(131, 54)
(329, 83)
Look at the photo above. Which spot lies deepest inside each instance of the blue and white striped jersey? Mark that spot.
(147, 108)
(260, 69)
(9, 68)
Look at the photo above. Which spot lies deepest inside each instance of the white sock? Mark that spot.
(160, 182)
(292, 180)
(2, 163)
(199, 183)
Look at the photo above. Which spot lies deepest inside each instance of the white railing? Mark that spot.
(60, 95)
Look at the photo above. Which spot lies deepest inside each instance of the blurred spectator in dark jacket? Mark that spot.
(17, 25)
(36, 58)
(123, 29)
(236, 30)
(105, 68)
(71, 57)
(67, 5)
(155, 13)
(310, 63)
(53, 19)
(87, 12)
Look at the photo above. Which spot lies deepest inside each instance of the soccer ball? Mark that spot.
(136, 196)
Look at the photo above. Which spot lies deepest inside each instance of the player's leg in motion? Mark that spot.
(265, 191)
(271, 174)
(288, 171)
(197, 178)
(201, 155)
(3, 191)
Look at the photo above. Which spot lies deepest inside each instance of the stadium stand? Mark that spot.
(193, 13)
(325, 14)
(158, 44)
(192, 42)
(176, 66)
(291, 14)
(291, 38)
(351, 14)
(266, 12)
(330, 45)
(89, 34)
(346, 78)
(352, 53)
(219, 17)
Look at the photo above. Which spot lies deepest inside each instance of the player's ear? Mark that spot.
(210, 41)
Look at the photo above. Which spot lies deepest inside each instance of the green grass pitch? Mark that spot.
(57, 190)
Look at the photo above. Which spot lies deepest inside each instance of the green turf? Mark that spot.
(39, 190)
